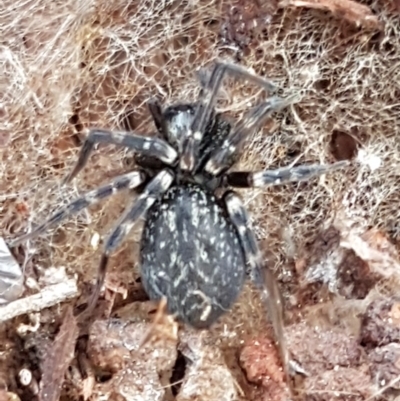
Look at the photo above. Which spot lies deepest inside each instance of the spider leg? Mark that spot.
(262, 276)
(158, 117)
(206, 106)
(126, 181)
(153, 190)
(152, 147)
(259, 179)
(223, 158)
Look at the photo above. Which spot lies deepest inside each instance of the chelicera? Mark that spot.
(196, 245)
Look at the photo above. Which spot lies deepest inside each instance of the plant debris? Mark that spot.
(340, 384)
(318, 349)
(385, 365)
(135, 372)
(381, 323)
(207, 376)
(261, 361)
(58, 359)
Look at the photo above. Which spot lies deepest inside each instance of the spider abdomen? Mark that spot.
(191, 254)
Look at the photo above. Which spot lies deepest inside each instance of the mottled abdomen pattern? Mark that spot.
(190, 254)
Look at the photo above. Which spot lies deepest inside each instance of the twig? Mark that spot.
(383, 389)
(350, 10)
(49, 296)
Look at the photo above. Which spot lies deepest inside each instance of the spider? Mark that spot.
(196, 246)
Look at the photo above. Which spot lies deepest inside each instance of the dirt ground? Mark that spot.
(332, 243)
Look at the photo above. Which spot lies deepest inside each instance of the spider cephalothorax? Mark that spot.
(195, 246)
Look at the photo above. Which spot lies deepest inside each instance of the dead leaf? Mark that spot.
(373, 247)
(11, 277)
(350, 10)
(59, 358)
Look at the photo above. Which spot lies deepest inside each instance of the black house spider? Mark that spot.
(195, 246)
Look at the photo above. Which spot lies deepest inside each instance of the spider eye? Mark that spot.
(178, 124)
